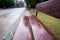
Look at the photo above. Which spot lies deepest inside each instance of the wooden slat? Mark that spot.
(50, 7)
(39, 30)
(23, 31)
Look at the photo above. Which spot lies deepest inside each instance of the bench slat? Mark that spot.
(23, 32)
(39, 30)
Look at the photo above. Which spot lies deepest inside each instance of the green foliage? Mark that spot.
(6, 3)
(33, 3)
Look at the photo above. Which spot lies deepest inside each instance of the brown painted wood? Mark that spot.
(31, 28)
(51, 7)
(23, 31)
(39, 30)
(27, 24)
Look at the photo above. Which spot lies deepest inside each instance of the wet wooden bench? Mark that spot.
(31, 28)
(50, 7)
(39, 30)
(23, 31)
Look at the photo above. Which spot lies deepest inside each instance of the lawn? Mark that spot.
(53, 24)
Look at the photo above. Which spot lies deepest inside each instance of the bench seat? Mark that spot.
(23, 30)
(39, 30)
(31, 28)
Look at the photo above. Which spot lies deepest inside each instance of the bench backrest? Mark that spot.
(51, 7)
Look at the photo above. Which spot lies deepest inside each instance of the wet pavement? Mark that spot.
(9, 20)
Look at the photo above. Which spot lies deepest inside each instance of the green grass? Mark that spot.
(53, 24)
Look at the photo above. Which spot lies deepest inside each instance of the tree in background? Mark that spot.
(33, 3)
(6, 3)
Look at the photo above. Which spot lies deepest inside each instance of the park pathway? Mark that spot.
(9, 21)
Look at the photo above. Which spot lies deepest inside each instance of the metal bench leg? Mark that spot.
(36, 13)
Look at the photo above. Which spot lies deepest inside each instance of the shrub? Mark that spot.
(33, 3)
(6, 3)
